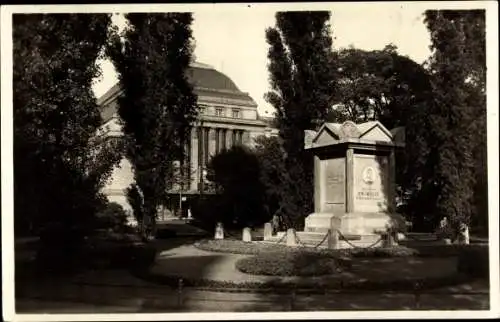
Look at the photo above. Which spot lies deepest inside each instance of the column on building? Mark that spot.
(211, 143)
(200, 135)
(234, 137)
(217, 140)
(194, 159)
(246, 138)
(206, 132)
(223, 139)
(240, 137)
(229, 138)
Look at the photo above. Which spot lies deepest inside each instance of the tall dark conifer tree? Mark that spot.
(454, 114)
(60, 161)
(157, 105)
(301, 74)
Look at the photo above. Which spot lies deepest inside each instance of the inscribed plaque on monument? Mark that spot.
(334, 180)
(371, 174)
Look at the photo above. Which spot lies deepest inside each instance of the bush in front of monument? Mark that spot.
(291, 263)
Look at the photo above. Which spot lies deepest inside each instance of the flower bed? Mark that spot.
(254, 248)
(289, 264)
(238, 246)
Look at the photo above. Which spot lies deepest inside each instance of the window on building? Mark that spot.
(203, 108)
(219, 111)
(236, 113)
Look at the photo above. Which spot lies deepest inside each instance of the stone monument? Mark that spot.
(354, 179)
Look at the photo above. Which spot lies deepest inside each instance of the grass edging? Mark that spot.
(306, 287)
(242, 248)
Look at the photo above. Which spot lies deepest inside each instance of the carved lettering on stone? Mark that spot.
(371, 183)
(334, 173)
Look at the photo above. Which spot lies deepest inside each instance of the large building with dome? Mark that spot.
(227, 117)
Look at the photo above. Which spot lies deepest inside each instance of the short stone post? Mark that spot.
(268, 231)
(290, 237)
(400, 237)
(463, 235)
(247, 235)
(219, 231)
(333, 239)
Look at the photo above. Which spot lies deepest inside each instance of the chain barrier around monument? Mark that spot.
(342, 237)
(282, 238)
(297, 239)
(355, 246)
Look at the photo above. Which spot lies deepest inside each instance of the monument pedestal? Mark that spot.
(359, 223)
(354, 181)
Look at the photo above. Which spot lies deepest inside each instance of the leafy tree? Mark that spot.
(302, 81)
(272, 174)
(377, 85)
(61, 162)
(393, 89)
(157, 105)
(236, 173)
(112, 216)
(447, 179)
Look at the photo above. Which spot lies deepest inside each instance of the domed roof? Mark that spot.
(205, 76)
(206, 80)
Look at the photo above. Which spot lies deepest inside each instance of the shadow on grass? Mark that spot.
(113, 265)
(273, 295)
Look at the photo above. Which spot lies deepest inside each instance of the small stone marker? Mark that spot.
(219, 231)
(247, 235)
(463, 236)
(290, 237)
(268, 230)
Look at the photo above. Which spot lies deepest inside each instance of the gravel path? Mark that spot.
(190, 262)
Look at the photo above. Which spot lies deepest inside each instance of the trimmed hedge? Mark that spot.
(289, 264)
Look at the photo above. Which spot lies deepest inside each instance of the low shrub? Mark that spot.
(112, 216)
(294, 263)
(473, 260)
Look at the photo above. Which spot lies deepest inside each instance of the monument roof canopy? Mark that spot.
(372, 132)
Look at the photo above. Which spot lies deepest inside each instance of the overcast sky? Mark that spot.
(232, 39)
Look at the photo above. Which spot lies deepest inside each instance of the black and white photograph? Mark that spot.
(250, 161)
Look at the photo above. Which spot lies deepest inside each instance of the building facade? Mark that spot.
(227, 117)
